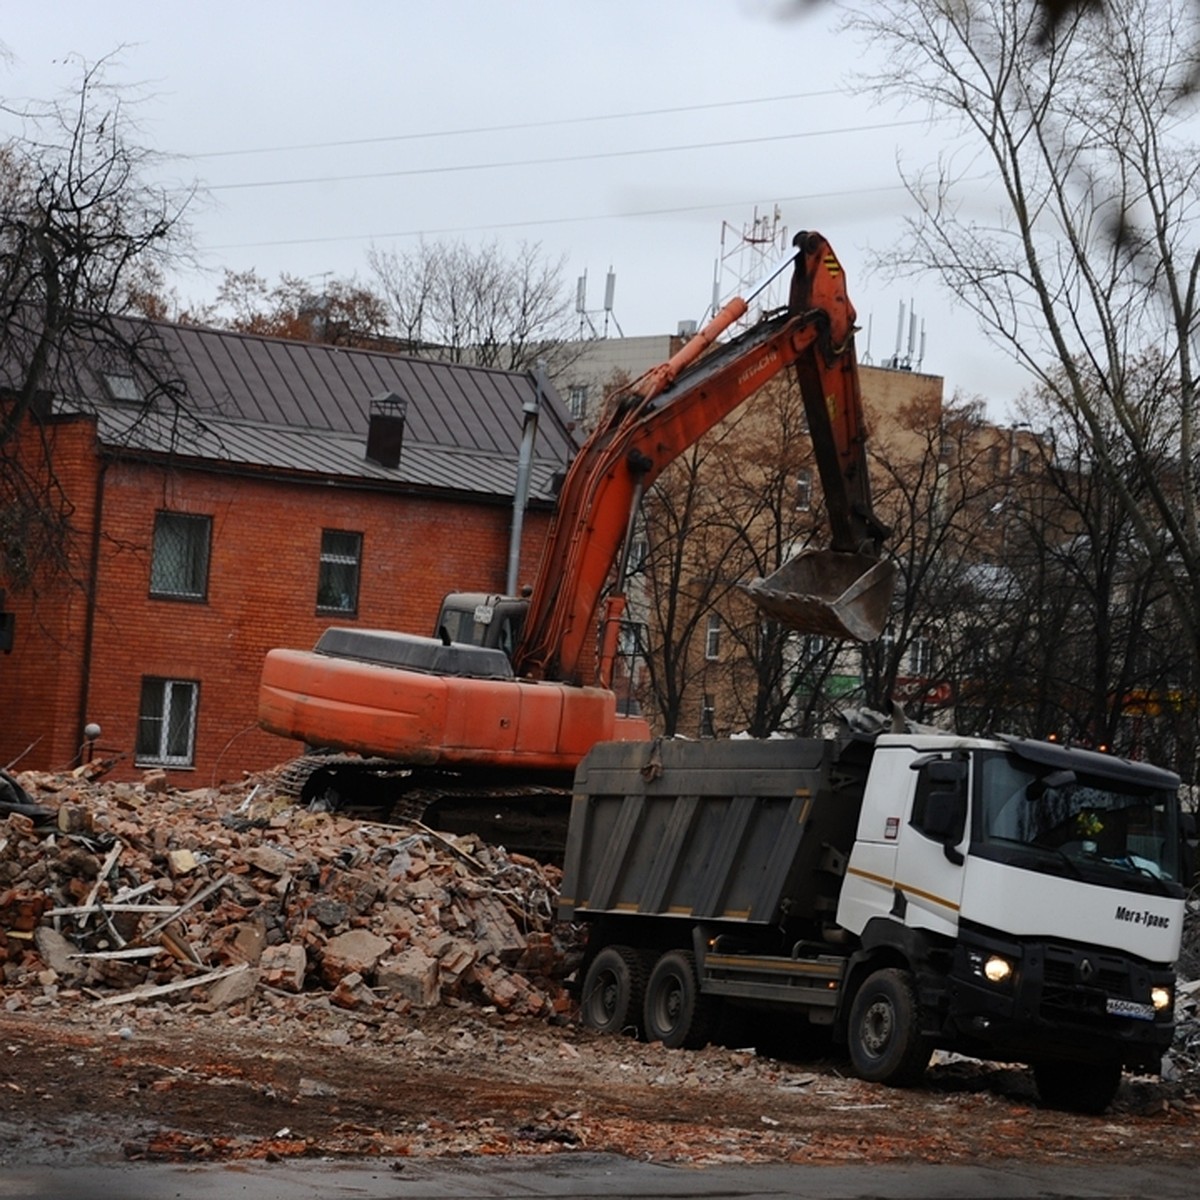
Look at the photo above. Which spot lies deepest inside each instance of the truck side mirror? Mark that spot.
(943, 812)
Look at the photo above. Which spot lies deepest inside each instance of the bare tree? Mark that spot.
(683, 578)
(1092, 261)
(476, 305)
(769, 508)
(938, 486)
(79, 225)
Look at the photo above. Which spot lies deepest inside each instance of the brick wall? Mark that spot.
(265, 553)
(39, 680)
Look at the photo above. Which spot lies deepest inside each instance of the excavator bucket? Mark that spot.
(829, 592)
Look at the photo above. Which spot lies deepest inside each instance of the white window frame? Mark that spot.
(708, 716)
(921, 657)
(712, 638)
(177, 697)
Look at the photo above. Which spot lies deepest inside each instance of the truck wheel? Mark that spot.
(613, 989)
(1076, 1086)
(675, 1013)
(885, 1039)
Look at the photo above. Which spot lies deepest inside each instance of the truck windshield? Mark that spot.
(1112, 833)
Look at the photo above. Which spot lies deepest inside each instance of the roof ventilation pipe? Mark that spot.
(385, 434)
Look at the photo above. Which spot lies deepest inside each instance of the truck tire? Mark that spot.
(613, 988)
(885, 1040)
(1076, 1086)
(675, 1013)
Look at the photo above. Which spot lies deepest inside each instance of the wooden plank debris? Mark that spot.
(164, 989)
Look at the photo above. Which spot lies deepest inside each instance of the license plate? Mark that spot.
(1130, 1008)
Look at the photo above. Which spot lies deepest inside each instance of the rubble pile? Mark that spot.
(118, 894)
(127, 892)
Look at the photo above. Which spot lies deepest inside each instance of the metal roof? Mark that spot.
(276, 404)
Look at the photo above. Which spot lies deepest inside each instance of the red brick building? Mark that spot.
(275, 489)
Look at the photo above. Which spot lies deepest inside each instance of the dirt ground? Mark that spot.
(341, 1063)
(170, 1083)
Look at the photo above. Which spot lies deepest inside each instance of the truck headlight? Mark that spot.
(994, 968)
(1160, 997)
(997, 969)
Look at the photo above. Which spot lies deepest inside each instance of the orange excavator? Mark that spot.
(493, 704)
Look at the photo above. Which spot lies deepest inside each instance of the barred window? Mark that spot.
(708, 714)
(337, 579)
(167, 722)
(577, 397)
(179, 566)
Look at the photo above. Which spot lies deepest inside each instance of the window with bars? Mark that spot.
(708, 715)
(166, 733)
(712, 638)
(179, 565)
(337, 578)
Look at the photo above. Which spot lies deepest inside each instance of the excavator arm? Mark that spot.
(646, 426)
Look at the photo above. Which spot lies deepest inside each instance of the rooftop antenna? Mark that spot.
(896, 363)
(746, 253)
(585, 321)
(610, 287)
(865, 358)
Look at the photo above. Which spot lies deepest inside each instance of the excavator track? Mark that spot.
(528, 815)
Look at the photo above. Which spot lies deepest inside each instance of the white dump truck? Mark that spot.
(1005, 898)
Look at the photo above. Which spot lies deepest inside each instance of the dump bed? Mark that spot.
(732, 831)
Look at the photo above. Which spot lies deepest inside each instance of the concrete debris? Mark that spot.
(118, 893)
(235, 899)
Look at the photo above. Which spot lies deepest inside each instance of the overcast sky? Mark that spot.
(638, 136)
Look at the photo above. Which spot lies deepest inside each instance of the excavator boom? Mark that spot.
(469, 715)
(843, 591)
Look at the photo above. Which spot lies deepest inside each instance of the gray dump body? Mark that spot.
(741, 831)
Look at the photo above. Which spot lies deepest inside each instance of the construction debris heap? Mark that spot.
(129, 892)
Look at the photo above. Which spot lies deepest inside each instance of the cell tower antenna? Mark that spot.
(585, 321)
(746, 253)
(610, 289)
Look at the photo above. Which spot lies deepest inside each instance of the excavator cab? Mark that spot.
(482, 619)
(829, 592)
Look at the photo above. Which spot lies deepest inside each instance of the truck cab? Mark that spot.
(1047, 879)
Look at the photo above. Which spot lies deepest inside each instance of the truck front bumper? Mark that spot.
(1059, 1000)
